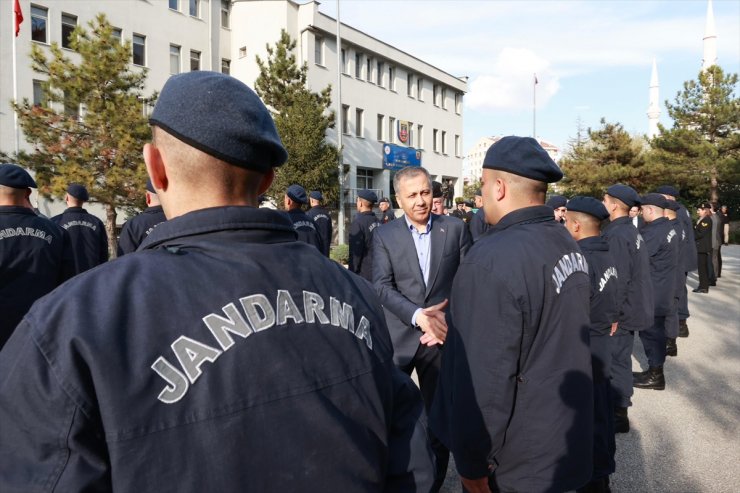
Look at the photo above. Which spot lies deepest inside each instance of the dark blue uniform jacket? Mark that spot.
(138, 228)
(360, 244)
(635, 293)
(680, 273)
(604, 278)
(688, 254)
(322, 218)
(207, 363)
(662, 244)
(478, 224)
(87, 236)
(515, 393)
(35, 257)
(305, 228)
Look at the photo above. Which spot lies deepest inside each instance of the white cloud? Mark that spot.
(509, 86)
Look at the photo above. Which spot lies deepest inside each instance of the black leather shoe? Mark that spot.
(621, 421)
(671, 348)
(639, 374)
(683, 329)
(595, 486)
(712, 283)
(653, 379)
(697, 290)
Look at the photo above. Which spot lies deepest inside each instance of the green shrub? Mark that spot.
(340, 253)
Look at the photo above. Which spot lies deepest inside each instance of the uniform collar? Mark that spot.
(593, 243)
(17, 209)
(619, 220)
(76, 209)
(216, 219)
(153, 209)
(657, 222)
(527, 215)
(368, 213)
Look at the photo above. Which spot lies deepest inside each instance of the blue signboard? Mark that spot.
(398, 157)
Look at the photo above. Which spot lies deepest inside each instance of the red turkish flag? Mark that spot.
(18, 16)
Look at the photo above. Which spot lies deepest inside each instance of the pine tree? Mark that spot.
(302, 118)
(91, 128)
(702, 149)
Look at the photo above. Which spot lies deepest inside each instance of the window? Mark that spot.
(410, 141)
(444, 98)
(391, 129)
(39, 97)
(174, 59)
(364, 178)
(318, 55)
(39, 18)
(118, 34)
(369, 71)
(409, 85)
(194, 8)
(359, 130)
(225, 14)
(358, 65)
(344, 61)
(379, 74)
(435, 95)
(458, 102)
(69, 23)
(175, 4)
(242, 51)
(139, 49)
(444, 142)
(434, 140)
(457, 145)
(71, 107)
(419, 87)
(379, 130)
(345, 119)
(392, 78)
(225, 66)
(194, 60)
(420, 134)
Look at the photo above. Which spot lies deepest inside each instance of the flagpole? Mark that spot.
(15, 81)
(340, 214)
(534, 107)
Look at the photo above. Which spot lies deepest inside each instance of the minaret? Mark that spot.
(653, 111)
(710, 40)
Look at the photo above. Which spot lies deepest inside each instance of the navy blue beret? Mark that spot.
(556, 201)
(705, 205)
(478, 193)
(385, 199)
(78, 191)
(522, 156)
(673, 205)
(368, 195)
(316, 195)
(655, 199)
(297, 193)
(625, 193)
(222, 117)
(468, 203)
(13, 176)
(588, 205)
(150, 186)
(436, 189)
(667, 190)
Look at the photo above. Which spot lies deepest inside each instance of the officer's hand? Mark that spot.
(432, 322)
(429, 339)
(614, 328)
(476, 485)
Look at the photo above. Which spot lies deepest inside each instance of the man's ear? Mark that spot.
(499, 188)
(267, 179)
(155, 167)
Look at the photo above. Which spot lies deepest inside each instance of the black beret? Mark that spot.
(667, 190)
(297, 193)
(220, 116)
(478, 193)
(436, 189)
(705, 205)
(556, 201)
(385, 199)
(316, 195)
(588, 205)
(656, 200)
(468, 203)
(522, 156)
(13, 176)
(625, 193)
(78, 191)
(150, 186)
(673, 205)
(368, 195)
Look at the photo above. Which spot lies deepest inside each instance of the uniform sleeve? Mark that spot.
(385, 282)
(356, 246)
(126, 243)
(47, 442)
(68, 262)
(410, 457)
(623, 259)
(104, 254)
(466, 242)
(479, 369)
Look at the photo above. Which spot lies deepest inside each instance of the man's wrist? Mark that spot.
(415, 316)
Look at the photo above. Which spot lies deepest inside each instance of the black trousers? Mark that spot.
(653, 340)
(427, 362)
(719, 260)
(621, 367)
(703, 261)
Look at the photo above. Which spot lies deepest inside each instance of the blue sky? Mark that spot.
(593, 58)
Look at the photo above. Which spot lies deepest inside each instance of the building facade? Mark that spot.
(392, 104)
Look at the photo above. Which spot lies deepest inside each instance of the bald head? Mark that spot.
(505, 192)
(581, 225)
(14, 196)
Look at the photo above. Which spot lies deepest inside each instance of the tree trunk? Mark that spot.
(713, 187)
(110, 228)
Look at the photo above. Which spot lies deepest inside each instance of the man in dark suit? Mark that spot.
(415, 259)
(703, 239)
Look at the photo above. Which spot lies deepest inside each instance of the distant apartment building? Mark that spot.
(395, 108)
(473, 162)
